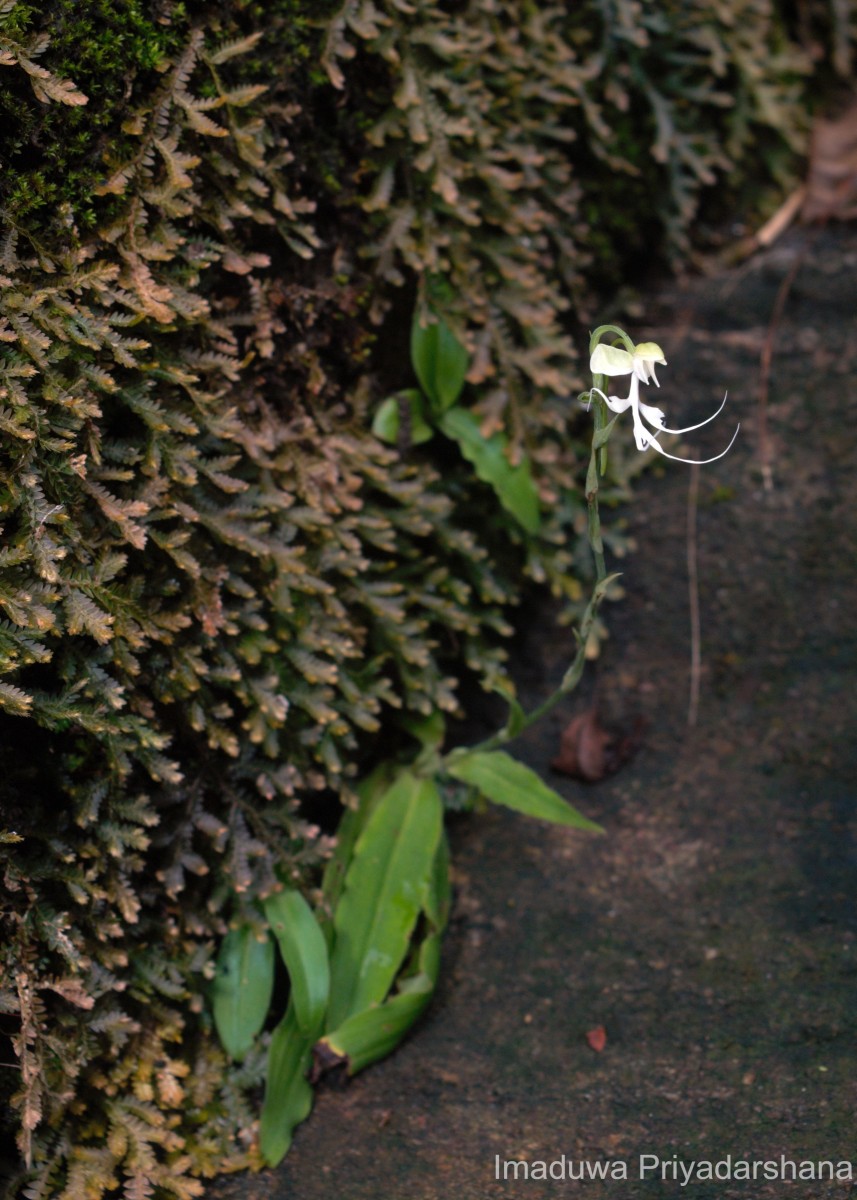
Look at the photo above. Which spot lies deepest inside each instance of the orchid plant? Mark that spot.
(364, 966)
(609, 360)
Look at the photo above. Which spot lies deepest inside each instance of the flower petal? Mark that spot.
(651, 351)
(689, 428)
(645, 357)
(610, 360)
(616, 404)
(698, 462)
(654, 416)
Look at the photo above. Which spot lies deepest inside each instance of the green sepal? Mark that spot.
(514, 485)
(243, 985)
(304, 951)
(611, 360)
(504, 780)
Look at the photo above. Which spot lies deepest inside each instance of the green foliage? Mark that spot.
(397, 872)
(304, 952)
(440, 362)
(243, 985)
(514, 485)
(385, 891)
(503, 779)
(288, 1092)
(216, 582)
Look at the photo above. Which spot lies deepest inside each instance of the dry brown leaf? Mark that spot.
(583, 748)
(590, 752)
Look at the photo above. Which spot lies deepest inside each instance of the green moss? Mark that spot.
(215, 584)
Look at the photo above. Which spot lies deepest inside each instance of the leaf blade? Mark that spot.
(304, 951)
(439, 360)
(373, 1033)
(387, 422)
(384, 893)
(243, 985)
(288, 1093)
(514, 486)
(504, 780)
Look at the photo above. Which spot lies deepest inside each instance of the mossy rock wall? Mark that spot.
(215, 583)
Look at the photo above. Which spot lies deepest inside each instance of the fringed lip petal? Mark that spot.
(645, 437)
(694, 462)
(690, 428)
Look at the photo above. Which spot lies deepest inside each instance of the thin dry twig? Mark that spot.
(762, 440)
(693, 594)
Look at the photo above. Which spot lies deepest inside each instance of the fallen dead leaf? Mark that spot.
(597, 1038)
(590, 752)
(583, 748)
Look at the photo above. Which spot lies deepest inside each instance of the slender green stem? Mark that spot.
(518, 720)
(569, 682)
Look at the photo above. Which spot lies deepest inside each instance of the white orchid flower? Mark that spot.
(612, 360)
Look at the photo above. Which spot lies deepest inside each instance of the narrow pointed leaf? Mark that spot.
(384, 893)
(243, 983)
(514, 485)
(369, 791)
(372, 1034)
(375, 1032)
(288, 1094)
(304, 952)
(517, 718)
(439, 360)
(439, 892)
(503, 779)
(602, 436)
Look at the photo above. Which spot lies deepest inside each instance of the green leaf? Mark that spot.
(384, 893)
(386, 424)
(503, 779)
(439, 360)
(514, 485)
(369, 791)
(243, 983)
(304, 952)
(601, 436)
(439, 893)
(288, 1094)
(429, 731)
(373, 1033)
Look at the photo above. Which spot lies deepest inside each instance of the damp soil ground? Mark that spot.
(712, 932)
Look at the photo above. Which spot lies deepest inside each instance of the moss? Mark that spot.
(215, 583)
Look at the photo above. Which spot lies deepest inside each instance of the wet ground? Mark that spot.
(712, 932)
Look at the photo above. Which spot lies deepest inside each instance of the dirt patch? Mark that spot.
(713, 931)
